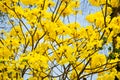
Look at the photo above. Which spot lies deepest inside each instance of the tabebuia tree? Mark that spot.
(45, 41)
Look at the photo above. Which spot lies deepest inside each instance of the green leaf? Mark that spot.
(112, 56)
(117, 50)
(109, 48)
(24, 60)
(104, 39)
(100, 48)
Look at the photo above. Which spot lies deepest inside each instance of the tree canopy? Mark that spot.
(47, 42)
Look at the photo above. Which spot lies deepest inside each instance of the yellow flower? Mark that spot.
(16, 32)
(118, 42)
(109, 10)
(66, 0)
(51, 3)
(2, 7)
(115, 3)
(98, 60)
(19, 10)
(90, 18)
(67, 10)
(95, 2)
(75, 4)
(28, 2)
(63, 61)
